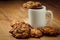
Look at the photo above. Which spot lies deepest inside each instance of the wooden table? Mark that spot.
(10, 11)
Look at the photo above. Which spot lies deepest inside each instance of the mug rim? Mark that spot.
(44, 7)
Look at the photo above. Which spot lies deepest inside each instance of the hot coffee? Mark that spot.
(38, 8)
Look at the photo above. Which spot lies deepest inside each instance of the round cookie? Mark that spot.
(49, 31)
(25, 5)
(22, 30)
(35, 33)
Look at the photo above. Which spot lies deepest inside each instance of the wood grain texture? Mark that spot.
(10, 11)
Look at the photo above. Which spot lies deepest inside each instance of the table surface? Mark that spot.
(10, 11)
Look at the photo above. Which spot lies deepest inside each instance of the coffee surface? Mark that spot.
(37, 8)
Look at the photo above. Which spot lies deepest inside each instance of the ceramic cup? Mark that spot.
(37, 17)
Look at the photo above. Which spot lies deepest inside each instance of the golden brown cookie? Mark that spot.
(32, 4)
(35, 33)
(49, 30)
(25, 5)
(21, 30)
(38, 4)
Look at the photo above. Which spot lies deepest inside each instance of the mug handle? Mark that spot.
(51, 17)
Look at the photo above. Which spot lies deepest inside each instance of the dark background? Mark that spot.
(54, 3)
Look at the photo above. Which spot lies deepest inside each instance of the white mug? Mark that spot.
(37, 17)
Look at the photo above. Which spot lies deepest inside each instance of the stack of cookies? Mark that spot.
(24, 30)
(32, 5)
